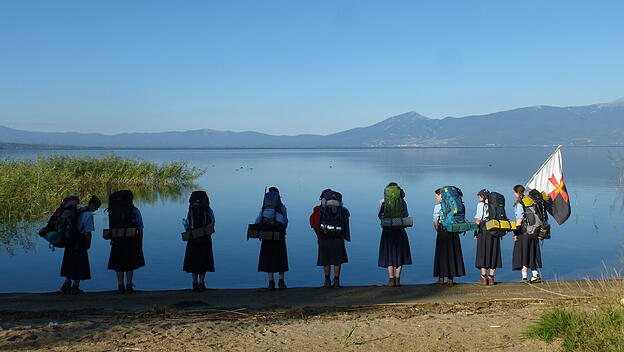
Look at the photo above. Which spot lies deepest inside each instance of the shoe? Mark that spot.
(328, 283)
(66, 288)
(524, 280)
(483, 281)
(281, 284)
(439, 282)
(490, 281)
(121, 288)
(129, 287)
(397, 281)
(536, 279)
(271, 285)
(195, 287)
(202, 286)
(450, 282)
(391, 282)
(336, 283)
(75, 290)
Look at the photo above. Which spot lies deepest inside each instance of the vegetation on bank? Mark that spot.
(601, 329)
(32, 189)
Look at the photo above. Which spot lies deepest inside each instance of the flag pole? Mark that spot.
(544, 164)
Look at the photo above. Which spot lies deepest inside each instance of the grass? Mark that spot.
(600, 329)
(32, 189)
(345, 340)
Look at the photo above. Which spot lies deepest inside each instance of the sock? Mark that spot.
(535, 273)
(483, 276)
(524, 274)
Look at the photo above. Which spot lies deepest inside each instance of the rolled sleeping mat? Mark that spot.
(501, 225)
(397, 222)
(462, 227)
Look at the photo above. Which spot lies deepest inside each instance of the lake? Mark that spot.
(589, 241)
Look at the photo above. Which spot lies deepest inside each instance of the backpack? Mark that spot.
(453, 209)
(121, 210)
(536, 217)
(61, 228)
(495, 209)
(332, 219)
(199, 210)
(271, 205)
(394, 205)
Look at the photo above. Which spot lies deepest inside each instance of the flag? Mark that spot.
(549, 179)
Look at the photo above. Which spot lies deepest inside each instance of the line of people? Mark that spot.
(71, 228)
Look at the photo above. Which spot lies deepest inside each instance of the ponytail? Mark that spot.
(520, 190)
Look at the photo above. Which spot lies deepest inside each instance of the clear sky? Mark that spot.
(290, 67)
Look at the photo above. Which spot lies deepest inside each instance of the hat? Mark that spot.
(483, 192)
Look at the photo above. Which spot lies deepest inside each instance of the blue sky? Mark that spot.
(290, 67)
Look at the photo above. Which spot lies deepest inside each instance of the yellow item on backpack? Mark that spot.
(501, 225)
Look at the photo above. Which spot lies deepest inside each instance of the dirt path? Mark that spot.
(411, 318)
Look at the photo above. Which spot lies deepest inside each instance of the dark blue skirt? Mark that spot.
(126, 254)
(526, 252)
(273, 256)
(394, 248)
(488, 252)
(448, 261)
(331, 251)
(198, 256)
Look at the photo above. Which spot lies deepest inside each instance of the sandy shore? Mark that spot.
(463, 317)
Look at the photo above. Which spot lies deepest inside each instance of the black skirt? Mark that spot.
(488, 252)
(394, 248)
(331, 251)
(526, 252)
(449, 261)
(273, 256)
(75, 264)
(126, 254)
(198, 257)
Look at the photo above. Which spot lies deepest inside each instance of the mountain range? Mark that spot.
(597, 124)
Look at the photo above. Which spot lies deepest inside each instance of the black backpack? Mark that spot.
(332, 214)
(199, 209)
(121, 210)
(536, 215)
(495, 207)
(272, 201)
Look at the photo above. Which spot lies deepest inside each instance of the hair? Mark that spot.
(520, 190)
(273, 189)
(438, 191)
(392, 184)
(95, 201)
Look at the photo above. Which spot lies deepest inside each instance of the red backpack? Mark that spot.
(61, 228)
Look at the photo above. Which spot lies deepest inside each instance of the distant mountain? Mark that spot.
(598, 124)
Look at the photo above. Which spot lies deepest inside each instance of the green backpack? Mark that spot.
(393, 202)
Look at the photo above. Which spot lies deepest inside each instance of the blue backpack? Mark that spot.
(453, 209)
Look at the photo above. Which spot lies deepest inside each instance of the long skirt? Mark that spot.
(273, 256)
(526, 252)
(331, 251)
(75, 264)
(198, 257)
(449, 261)
(394, 248)
(126, 254)
(488, 252)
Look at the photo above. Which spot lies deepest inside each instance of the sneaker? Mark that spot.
(490, 281)
(397, 281)
(271, 285)
(202, 286)
(483, 281)
(391, 282)
(195, 287)
(129, 287)
(439, 282)
(336, 282)
(121, 288)
(450, 282)
(66, 288)
(281, 284)
(328, 283)
(75, 290)
(524, 280)
(536, 279)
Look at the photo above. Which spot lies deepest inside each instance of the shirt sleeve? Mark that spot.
(480, 211)
(519, 210)
(284, 215)
(86, 222)
(212, 216)
(436, 212)
(139, 218)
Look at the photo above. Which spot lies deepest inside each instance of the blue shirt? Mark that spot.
(519, 211)
(85, 221)
(481, 211)
(138, 218)
(437, 212)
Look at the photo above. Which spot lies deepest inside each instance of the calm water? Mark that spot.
(591, 239)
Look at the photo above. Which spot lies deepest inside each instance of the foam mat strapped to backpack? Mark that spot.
(501, 225)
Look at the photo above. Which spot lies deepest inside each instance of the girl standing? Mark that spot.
(198, 257)
(448, 262)
(488, 246)
(273, 254)
(526, 252)
(394, 248)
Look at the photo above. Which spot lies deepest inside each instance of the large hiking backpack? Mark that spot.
(453, 209)
(536, 216)
(61, 228)
(394, 205)
(495, 209)
(332, 220)
(121, 210)
(199, 210)
(271, 205)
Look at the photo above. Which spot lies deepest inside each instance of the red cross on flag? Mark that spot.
(549, 179)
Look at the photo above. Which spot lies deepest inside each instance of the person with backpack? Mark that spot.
(448, 261)
(198, 257)
(526, 252)
(273, 255)
(394, 247)
(488, 242)
(75, 266)
(126, 225)
(330, 222)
